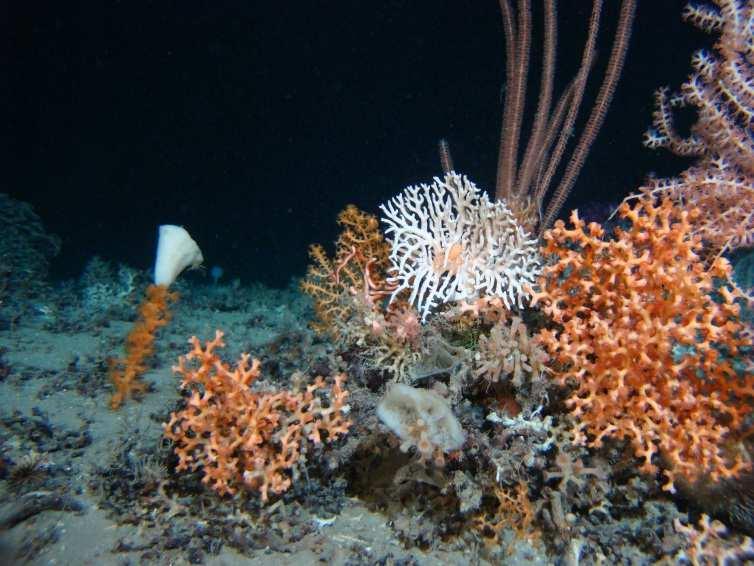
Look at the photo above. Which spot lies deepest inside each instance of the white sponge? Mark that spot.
(176, 251)
(417, 415)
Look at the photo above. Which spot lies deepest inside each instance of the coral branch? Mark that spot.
(650, 340)
(125, 373)
(241, 437)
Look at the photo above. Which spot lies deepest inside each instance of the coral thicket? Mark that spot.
(126, 372)
(241, 437)
(26, 249)
(649, 339)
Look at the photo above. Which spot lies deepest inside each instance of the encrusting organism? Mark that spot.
(649, 339)
(241, 437)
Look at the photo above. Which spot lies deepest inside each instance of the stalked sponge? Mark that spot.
(176, 251)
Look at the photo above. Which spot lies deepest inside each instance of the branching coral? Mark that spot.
(349, 292)
(512, 511)
(711, 543)
(721, 88)
(239, 436)
(509, 367)
(125, 373)
(648, 338)
(451, 243)
(361, 258)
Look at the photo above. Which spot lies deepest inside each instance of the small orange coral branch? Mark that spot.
(513, 510)
(649, 338)
(125, 373)
(240, 437)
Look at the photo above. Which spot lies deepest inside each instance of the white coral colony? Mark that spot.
(449, 243)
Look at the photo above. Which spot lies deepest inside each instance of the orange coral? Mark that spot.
(359, 265)
(241, 437)
(513, 510)
(125, 372)
(648, 338)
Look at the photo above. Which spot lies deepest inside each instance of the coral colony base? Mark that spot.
(473, 386)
